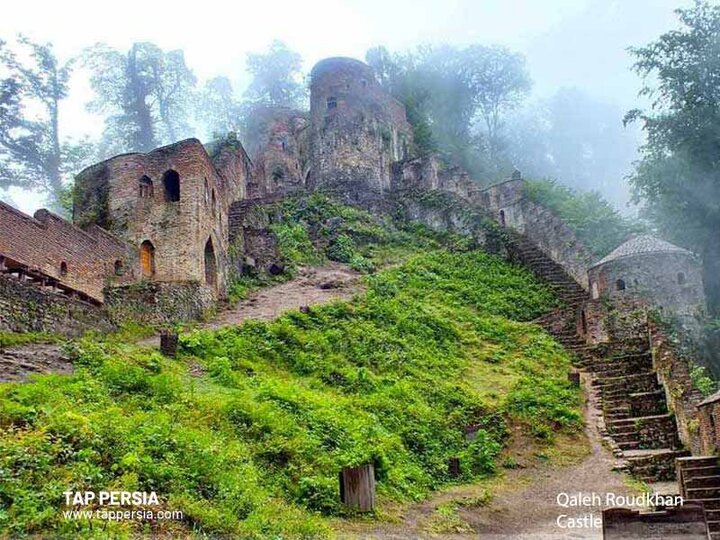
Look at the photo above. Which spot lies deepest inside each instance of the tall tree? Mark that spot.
(218, 109)
(32, 154)
(145, 94)
(276, 77)
(498, 81)
(448, 91)
(678, 177)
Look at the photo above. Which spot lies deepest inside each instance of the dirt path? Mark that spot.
(524, 502)
(312, 286)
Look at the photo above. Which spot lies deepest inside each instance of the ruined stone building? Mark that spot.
(170, 227)
(159, 237)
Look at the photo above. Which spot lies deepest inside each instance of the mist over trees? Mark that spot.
(145, 95)
(33, 153)
(218, 109)
(471, 106)
(457, 99)
(576, 139)
(677, 180)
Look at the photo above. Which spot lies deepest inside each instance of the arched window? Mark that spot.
(681, 278)
(210, 264)
(619, 285)
(207, 192)
(583, 322)
(145, 187)
(119, 268)
(331, 103)
(147, 258)
(502, 217)
(214, 202)
(171, 183)
(63, 269)
(595, 291)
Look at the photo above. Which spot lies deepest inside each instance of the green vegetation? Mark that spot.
(596, 223)
(315, 229)
(12, 339)
(252, 447)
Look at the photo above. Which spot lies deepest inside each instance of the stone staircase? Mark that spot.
(636, 422)
(699, 481)
(560, 322)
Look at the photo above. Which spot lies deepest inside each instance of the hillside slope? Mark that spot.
(246, 431)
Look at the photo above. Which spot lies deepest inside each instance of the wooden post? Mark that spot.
(169, 343)
(454, 467)
(357, 487)
(574, 378)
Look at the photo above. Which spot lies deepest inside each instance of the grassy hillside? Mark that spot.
(246, 431)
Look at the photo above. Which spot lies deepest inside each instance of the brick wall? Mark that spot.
(26, 307)
(47, 245)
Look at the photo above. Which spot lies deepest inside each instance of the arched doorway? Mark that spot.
(210, 264)
(147, 258)
(502, 218)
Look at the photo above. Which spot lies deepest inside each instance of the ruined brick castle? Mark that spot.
(169, 227)
(158, 237)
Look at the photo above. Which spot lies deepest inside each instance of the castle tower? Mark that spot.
(171, 204)
(357, 130)
(667, 276)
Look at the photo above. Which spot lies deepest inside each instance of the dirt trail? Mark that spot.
(312, 286)
(524, 503)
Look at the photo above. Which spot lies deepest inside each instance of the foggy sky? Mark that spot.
(568, 43)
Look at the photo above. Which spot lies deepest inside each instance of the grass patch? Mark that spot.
(13, 339)
(252, 447)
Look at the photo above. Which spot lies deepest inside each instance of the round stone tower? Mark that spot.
(357, 130)
(668, 276)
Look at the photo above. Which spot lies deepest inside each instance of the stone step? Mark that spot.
(617, 386)
(709, 504)
(653, 465)
(702, 482)
(702, 493)
(628, 445)
(627, 436)
(643, 419)
(691, 473)
(695, 462)
(638, 362)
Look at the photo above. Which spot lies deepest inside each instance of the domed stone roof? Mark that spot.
(338, 63)
(641, 245)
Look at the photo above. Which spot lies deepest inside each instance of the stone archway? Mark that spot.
(210, 264)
